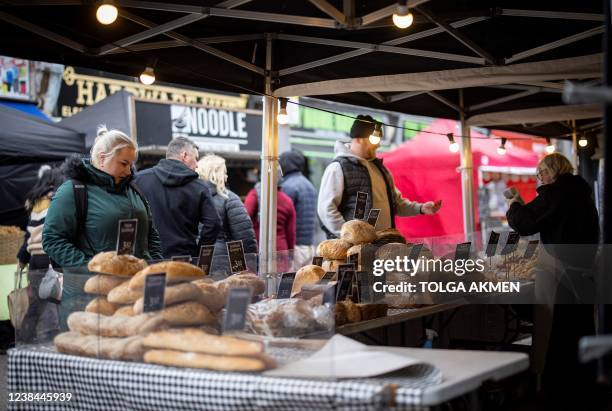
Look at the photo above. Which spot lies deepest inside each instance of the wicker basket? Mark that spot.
(11, 239)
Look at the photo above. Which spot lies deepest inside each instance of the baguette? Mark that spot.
(210, 362)
(115, 326)
(102, 284)
(123, 294)
(172, 295)
(126, 311)
(128, 349)
(195, 340)
(189, 313)
(176, 272)
(101, 305)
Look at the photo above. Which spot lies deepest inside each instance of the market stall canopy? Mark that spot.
(505, 55)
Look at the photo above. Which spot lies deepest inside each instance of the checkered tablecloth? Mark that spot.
(116, 385)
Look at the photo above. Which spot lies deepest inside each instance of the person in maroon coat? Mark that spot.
(285, 217)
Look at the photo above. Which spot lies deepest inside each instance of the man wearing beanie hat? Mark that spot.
(356, 168)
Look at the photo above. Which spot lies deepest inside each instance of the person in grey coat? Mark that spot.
(304, 196)
(235, 222)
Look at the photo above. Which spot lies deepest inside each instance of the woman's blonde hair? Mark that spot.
(109, 142)
(557, 164)
(212, 168)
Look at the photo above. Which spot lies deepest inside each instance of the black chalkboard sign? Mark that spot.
(285, 285)
(183, 258)
(317, 261)
(154, 290)
(373, 216)
(360, 205)
(238, 300)
(511, 243)
(205, 258)
(462, 251)
(235, 251)
(532, 246)
(345, 284)
(353, 259)
(327, 277)
(492, 244)
(365, 288)
(415, 251)
(126, 236)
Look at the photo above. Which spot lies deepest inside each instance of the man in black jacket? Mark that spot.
(179, 200)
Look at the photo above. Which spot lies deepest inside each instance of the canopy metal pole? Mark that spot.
(467, 174)
(575, 147)
(269, 171)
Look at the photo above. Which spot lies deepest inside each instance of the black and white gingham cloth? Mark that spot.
(117, 385)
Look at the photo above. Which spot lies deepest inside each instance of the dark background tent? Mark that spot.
(26, 143)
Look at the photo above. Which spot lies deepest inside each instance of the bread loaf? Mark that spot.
(210, 362)
(195, 340)
(123, 294)
(251, 281)
(357, 232)
(127, 349)
(126, 311)
(309, 274)
(115, 326)
(333, 249)
(176, 272)
(173, 294)
(189, 313)
(110, 263)
(372, 311)
(101, 305)
(332, 265)
(102, 284)
(210, 296)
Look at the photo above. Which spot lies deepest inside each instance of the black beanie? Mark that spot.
(362, 129)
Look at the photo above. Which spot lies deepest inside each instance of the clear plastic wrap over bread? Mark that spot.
(333, 249)
(357, 232)
(289, 318)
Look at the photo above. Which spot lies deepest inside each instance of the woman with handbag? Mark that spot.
(42, 314)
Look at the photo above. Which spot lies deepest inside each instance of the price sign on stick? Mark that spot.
(415, 251)
(205, 258)
(155, 288)
(462, 252)
(492, 244)
(360, 205)
(235, 251)
(126, 236)
(285, 285)
(373, 216)
(182, 258)
(511, 243)
(317, 261)
(345, 285)
(532, 246)
(238, 300)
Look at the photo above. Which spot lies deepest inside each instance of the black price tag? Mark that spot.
(238, 300)
(183, 258)
(512, 243)
(360, 205)
(155, 288)
(415, 251)
(126, 236)
(317, 261)
(492, 244)
(327, 277)
(329, 295)
(344, 267)
(235, 251)
(353, 259)
(285, 285)
(205, 258)
(364, 286)
(462, 252)
(532, 246)
(345, 285)
(373, 216)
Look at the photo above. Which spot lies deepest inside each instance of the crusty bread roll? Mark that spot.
(110, 263)
(357, 232)
(114, 326)
(101, 305)
(356, 249)
(347, 311)
(126, 311)
(309, 274)
(332, 265)
(101, 284)
(127, 349)
(333, 249)
(252, 281)
(372, 311)
(176, 272)
(211, 296)
(123, 294)
(189, 313)
(195, 340)
(210, 362)
(173, 294)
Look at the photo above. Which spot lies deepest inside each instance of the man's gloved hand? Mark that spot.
(430, 207)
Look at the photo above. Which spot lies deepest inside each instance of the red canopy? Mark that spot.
(424, 169)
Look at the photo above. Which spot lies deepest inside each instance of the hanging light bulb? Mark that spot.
(107, 13)
(282, 117)
(501, 150)
(453, 147)
(402, 18)
(550, 147)
(376, 135)
(583, 142)
(148, 76)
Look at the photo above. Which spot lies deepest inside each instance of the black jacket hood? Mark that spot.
(173, 173)
(292, 161)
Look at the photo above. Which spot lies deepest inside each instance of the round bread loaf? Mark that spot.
(356, 249)
(332, 265)
(176, 272)
(357, 232)
(252, 281)
(110, 263)
(333, 249)
(309, 274)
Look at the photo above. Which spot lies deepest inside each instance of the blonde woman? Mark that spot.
(235, 222)
(110, 197)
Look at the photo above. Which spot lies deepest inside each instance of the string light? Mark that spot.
(453, 147)
(282, 116)
(583, 142)
(402, 18)
(550, 147)
(147, 77)
(107, 13)
(501, 150)
(376, 135)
